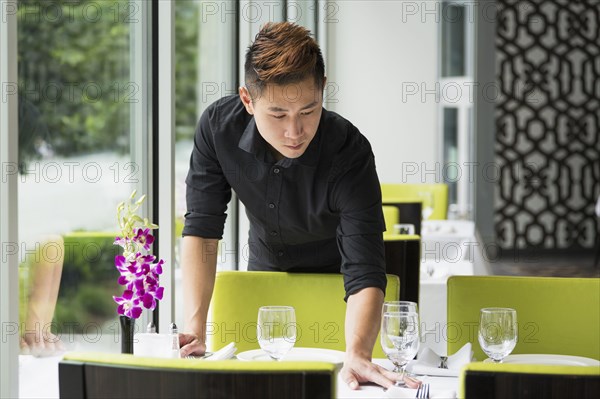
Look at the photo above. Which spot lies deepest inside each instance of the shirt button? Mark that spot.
(276, 170)
(280, 253)
(274, 233)
(272, 205)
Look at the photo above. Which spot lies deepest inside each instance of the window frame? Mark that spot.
(9, 279)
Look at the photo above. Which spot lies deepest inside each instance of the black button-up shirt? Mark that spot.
(320, 212)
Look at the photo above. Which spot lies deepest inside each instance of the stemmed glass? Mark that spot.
(276, 330)
(427, 198)
(400, 339)
(498, 332)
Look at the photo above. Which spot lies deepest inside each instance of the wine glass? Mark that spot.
(276, 330)
(497, 332)
(400, 339)
(427, 209)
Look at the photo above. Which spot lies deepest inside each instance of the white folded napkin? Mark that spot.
(428, 362)
(224, 353)
(398, 393)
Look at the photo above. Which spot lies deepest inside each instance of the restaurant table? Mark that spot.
(375, 391)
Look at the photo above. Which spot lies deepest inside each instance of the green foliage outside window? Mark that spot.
(75, 65)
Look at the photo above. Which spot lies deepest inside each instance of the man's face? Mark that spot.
(287, 116)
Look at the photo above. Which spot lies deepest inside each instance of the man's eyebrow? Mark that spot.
(309, 105)
(279, 109)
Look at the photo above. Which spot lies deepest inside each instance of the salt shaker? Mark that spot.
(151, 328)
(175, 341)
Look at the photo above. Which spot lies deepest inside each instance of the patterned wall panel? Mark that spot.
(548, 123)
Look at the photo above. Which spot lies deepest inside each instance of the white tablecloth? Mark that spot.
(375, 391)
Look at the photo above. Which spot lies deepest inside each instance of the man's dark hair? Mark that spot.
(283, 53)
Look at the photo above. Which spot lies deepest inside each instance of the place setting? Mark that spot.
(400, 340)
(498, 336)
(276, 332)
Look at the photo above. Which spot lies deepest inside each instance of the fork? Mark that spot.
(423, 391)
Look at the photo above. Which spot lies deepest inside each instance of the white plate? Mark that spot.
(552, 360)
(298, 355)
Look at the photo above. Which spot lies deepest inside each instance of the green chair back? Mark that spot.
(525, 381)
(391, 215)
(318, 300)
(389, 192)
(103, 375)
(554, 315)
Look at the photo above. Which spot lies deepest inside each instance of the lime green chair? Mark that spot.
(507, 381)
(555, 315)
(102, 375)
(317, 298)
(439, 194)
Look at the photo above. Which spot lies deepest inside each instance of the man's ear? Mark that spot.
(246, 99)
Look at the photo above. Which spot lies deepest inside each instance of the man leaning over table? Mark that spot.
(307, 179)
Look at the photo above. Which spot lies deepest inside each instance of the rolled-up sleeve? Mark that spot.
(207, 190)
(356, 195)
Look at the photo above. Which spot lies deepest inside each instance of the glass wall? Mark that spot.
(81, 93)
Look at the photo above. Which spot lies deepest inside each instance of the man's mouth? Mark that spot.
(294, 147)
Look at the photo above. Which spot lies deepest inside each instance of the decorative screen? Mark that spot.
(548, 129)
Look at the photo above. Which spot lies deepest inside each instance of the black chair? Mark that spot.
(90, 375)
(523, 381)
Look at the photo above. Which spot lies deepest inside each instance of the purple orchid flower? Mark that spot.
(121, 241)
(137, 271)
(144, 238)
(128, 305)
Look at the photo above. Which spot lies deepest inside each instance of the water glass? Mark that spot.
(428, 203)
(276, 330)
(401, 306)
(400, 339)
(498, 332)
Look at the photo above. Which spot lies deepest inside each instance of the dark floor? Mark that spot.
(555, 265)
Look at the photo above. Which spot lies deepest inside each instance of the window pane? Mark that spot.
(76, 94)
(205, 53)
(453, 39)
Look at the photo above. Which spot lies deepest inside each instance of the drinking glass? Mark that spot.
(498, 332)
(400, 339)
(276, 330)
(427, 209)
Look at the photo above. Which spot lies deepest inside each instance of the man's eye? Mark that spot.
(278, 116)
(307, 113)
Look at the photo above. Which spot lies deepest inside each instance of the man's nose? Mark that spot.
(294, 129)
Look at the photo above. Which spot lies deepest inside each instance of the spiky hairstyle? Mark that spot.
(283, 53)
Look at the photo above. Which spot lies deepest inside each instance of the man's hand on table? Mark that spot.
(191, 345)
(358, 370)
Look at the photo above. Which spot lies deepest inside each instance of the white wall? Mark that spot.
(374, 50)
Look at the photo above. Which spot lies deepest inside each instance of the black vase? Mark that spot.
(127, 329)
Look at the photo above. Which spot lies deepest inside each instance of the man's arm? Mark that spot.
(199, 265)
(363, 318)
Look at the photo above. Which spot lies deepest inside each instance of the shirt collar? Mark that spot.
(253, 143)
